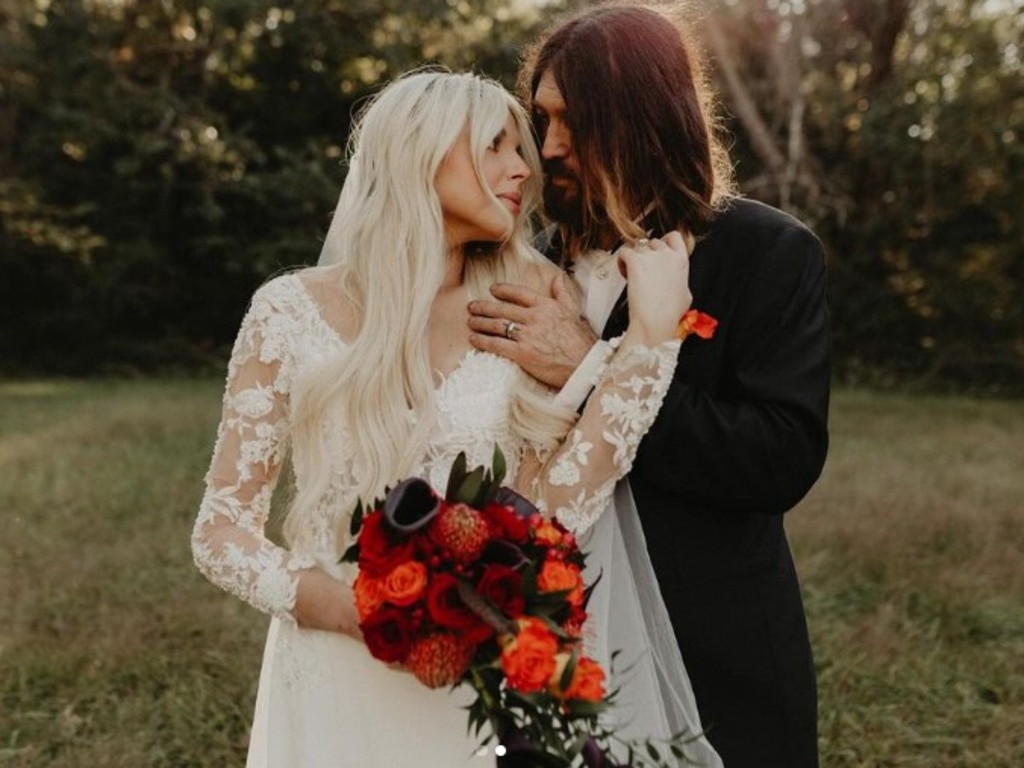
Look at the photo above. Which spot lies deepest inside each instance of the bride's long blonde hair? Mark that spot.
(387, 239)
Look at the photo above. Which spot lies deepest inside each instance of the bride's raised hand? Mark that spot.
(658, 290)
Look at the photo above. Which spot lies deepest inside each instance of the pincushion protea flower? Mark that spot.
(439, 659)
(460, 530)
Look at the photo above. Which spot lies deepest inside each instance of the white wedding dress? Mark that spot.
(323, 701)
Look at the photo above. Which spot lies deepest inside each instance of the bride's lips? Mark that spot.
(514, 201)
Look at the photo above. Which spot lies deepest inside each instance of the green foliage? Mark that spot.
(161, 158)
(116, 652)
(158, 160)
(902, 126)
(476, 487)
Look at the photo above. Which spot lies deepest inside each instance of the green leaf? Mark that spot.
(488, 488)
(456, 476)
(356, 523)
(653, 752)
(579, 708)
(351, 554)
(532, 701)
(567, 673)
(498, 466)
(470, 487)
(577, 746)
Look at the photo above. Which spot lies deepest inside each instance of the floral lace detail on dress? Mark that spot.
(228, 542)
(575, 482)
(473, 415)
(565, 472)
(282, 338)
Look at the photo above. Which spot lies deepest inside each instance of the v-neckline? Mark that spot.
(443, 377)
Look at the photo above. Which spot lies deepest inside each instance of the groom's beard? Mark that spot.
(563, 195)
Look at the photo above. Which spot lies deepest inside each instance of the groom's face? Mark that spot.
(563, 191)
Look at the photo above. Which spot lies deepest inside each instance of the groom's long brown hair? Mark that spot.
(641, 121)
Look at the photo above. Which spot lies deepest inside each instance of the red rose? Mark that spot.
(446, 608)
(508, 524)
(503, 586)
(380, 549)
(386, 634)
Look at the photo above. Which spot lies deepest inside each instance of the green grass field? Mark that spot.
(115, 652)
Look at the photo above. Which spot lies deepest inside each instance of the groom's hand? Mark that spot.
(549, 335)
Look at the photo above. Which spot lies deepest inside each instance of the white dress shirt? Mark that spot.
(598, 276)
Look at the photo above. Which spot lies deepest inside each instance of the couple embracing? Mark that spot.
(433, 327)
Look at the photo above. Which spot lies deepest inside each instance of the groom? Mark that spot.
(616, 97)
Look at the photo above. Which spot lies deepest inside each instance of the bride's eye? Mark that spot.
(496, 141)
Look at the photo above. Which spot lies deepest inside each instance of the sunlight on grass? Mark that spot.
(115, 652)
(910, 551)
(35, 388)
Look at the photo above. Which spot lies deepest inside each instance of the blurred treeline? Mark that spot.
(160, 158)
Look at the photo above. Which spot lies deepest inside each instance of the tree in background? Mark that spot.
(160, 158)
(896, 127)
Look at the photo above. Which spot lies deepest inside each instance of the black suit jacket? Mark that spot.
(740, 439)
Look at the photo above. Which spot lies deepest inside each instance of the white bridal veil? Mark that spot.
(629, 615)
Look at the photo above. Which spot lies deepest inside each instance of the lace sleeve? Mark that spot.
(575, 480)
(228, 542)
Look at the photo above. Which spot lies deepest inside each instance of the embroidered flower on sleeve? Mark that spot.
(566, 470)
(253, 403)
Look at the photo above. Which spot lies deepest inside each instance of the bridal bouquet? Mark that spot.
(477, 588)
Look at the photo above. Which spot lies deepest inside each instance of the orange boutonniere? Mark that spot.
(696, 322)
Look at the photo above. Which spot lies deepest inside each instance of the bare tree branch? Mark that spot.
(742, 102)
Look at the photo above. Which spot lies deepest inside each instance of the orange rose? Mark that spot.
(558, 576)
(548, 534)
(587, 681)
(369, 594)
(528, 659)
(405, 584)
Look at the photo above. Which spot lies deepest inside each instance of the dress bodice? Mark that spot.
(285, 338)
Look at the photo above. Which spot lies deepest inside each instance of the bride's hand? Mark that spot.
(323, 602)
(658, 275)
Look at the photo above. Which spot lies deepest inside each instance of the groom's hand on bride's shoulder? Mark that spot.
(546, 335)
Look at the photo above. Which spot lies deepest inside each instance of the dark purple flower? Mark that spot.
(410, 505)
(594, 757)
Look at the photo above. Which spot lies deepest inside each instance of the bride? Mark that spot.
(362, 368)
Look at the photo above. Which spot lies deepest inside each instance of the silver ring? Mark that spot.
(643, 242)
(511, 327)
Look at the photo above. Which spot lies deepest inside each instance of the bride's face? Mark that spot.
(470, 214)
